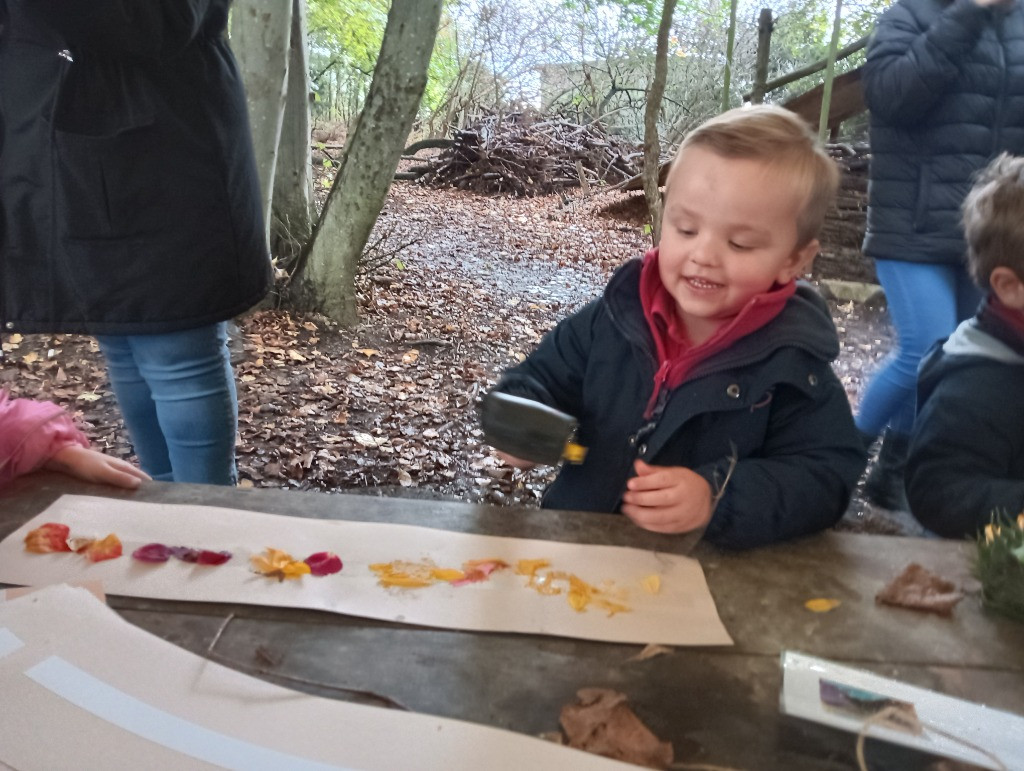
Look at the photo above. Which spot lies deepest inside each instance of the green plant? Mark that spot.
(1000, 565)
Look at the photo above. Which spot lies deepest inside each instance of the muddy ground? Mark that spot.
(464, 286)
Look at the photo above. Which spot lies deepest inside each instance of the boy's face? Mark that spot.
(729, 232)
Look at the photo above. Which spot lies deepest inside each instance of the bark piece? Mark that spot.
(920, 589)
(602, 722)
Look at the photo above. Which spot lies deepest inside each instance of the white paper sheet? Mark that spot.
(682, 611)
(88, 690)
(998, 732)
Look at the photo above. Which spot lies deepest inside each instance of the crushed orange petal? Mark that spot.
(48, 538)
(103, 549)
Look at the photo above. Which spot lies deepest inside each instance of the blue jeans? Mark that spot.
(177, 394)
(926, 301)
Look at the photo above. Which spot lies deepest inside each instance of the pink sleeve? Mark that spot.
(31, 433)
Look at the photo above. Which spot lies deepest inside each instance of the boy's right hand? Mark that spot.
(512, 460)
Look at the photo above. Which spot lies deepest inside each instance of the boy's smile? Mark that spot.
(729, 233)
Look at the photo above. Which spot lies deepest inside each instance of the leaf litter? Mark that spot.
(391, 407)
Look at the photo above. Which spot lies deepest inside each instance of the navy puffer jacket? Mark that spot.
(945, 85)
(770, 400)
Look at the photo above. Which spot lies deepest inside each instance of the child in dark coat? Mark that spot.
(967, 452)
(701, 379)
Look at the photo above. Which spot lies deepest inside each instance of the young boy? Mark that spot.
(966, 457)
(701, 379)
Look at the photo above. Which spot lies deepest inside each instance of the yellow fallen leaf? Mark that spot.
(411, 356)
(652, 583)
(822, 605)
(369, 352)
(30, 358)
(15, 339)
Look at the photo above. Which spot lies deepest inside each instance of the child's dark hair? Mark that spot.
(993, 217)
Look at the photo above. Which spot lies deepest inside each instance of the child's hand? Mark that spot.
(667, 499)
(93, 466)
(512, 460)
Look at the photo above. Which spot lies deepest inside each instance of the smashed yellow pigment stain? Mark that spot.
(579, 594)
(822, 605)
(447, 574)
(652, 584)
(415, 575)
(530, 567)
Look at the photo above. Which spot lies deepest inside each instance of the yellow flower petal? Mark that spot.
(278, 564)
(652, 584)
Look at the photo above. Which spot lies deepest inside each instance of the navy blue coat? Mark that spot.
(966, 456)
(945, 85)
(128, 186)
(771, 399)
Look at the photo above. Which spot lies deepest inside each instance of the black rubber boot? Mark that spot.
(884, 485)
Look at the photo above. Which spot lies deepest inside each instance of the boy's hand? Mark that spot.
(512, 460)
(92, 466)
(667, 499)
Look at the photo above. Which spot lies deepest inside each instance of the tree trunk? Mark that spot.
(830, 69)
(292, 203)
(325, 278)
(730, 44)
(765, 25)
(260, 34)
(652, 145)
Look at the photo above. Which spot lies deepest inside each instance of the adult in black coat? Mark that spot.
(945, 85)
(131, 208)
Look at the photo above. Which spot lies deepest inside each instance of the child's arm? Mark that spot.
(909, 68)
(553, 373)
(667, 499)
(92, 466)
(40, 434)
(800, 480)
(512, 460)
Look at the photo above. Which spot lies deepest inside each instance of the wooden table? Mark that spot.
(716, 705)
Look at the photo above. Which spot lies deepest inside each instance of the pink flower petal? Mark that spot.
(323, 563)
(207, 557)
(152, 552)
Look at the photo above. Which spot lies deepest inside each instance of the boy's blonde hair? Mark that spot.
(994, 219)
(782, 140)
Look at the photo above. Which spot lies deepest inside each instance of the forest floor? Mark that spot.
(465, 286)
